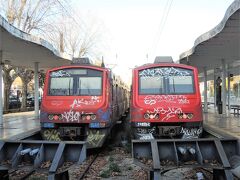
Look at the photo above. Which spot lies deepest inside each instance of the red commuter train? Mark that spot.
(165, 101)
(82, 102)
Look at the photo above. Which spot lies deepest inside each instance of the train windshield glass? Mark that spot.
(75, 82)
(166, 80)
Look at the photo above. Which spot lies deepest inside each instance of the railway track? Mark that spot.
(213, 153)
(152, 159)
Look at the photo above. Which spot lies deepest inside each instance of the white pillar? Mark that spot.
(1, 91)
(214, 87)
(205, 90)
(36, 93)
(223, 87)
(229, 89)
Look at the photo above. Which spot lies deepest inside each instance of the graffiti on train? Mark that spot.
(78, 102)
(153, 99)
(191, 132)
(60, 73)
(167, 113)
(94, 138)
(71, 116)
(51, 135)
(165, 73)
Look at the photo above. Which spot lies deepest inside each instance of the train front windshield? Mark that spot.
(75, 82)
(166, 80)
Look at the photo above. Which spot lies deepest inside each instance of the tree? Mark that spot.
(29, 16)
(54, 21)
(9, 75)
(26, 76)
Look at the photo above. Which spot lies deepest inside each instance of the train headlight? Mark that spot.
(151, 116)
(89, 117)
(146, 116)
(185, 115)
(93, 116)
(190, 115)
(50, 117)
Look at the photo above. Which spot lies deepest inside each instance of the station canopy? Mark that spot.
(23, 50)
(222, 42)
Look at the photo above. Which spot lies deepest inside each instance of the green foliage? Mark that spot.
(111, 159)
(105, 174)
(113, 167)
(128, 148)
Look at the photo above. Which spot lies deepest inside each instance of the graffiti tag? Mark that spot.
(60, 73)
(163, 73)
(71, 116)
(95, 138)
(153, 99)
(193, 132)
(168, 113)
(79, 102)
(51, 135)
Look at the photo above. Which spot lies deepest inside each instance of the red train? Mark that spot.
(82, 102)
(165, 101)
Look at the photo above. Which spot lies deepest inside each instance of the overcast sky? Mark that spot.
(135, 28)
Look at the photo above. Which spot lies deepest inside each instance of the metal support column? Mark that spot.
(214, 87)
(1, 91)
(223, 87)
(229, 89)
(205, 90)
(36, 93)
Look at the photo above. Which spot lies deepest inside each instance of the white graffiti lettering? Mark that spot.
(60, 73)
(163, 72)
(191, 132)
(95, 138)
(168, 113)
(146, 136)
(71, 116)
(153, 99)
(79, 102)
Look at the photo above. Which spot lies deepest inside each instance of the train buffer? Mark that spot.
(160, 155)
(50, 159)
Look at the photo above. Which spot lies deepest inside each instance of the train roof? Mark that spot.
(163, 61)
(151, 65)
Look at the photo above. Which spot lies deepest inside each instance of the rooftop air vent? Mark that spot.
(83, 61)
(163, 59)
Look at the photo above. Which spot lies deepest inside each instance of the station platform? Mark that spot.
(18, 124)
(227, 125)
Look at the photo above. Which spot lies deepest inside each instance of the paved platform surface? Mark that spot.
(225, 124)
(16, 124)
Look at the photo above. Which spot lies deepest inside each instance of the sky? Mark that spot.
(136, 31)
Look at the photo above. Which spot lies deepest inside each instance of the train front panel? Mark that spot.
(166, 101)
(76, 104)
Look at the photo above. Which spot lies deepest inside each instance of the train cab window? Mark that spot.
(153, 85)
(90, 86)
(75, 82)
(181, 85)
(61, 86)
(166, 80)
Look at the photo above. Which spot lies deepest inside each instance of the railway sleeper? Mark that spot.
(164, 154)
(35, 156)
